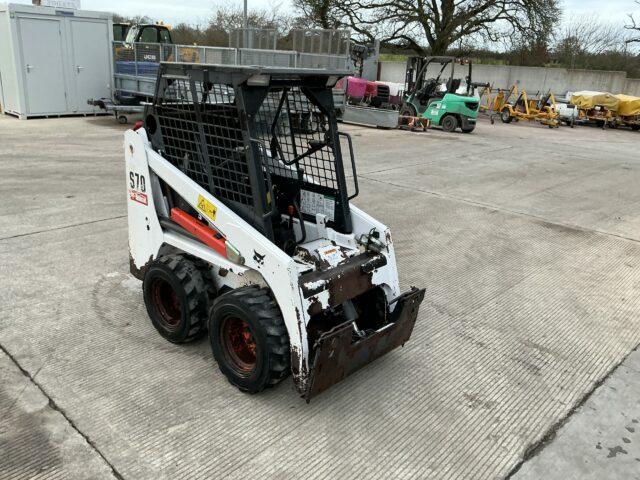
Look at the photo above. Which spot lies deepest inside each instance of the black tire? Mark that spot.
(468, 129)
(635, 128)
(449, 123)
(505, 116)
(408, 110)
(123, 120)
(175, 295)
(249, 339)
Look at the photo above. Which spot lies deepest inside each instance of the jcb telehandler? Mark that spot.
(240, 224)
(431, 88)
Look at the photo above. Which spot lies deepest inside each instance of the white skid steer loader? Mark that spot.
(240, 224)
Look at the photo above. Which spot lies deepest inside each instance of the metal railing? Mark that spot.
(136, 65)
(142, 58)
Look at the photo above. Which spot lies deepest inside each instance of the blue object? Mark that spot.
(145, 69)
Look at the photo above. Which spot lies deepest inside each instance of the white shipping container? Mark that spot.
(53, 60)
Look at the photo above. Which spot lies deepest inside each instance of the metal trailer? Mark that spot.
(370, 116)
(541, 109)
(120, 112)
(52, 60)
(136, 66)
(363, 115)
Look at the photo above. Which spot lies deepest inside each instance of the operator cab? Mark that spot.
(149, 33)
(120, 31)
(150, 43)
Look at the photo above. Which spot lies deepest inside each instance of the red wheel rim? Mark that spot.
(167, 304)
(240, 347)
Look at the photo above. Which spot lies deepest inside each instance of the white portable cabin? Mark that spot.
(52, 60)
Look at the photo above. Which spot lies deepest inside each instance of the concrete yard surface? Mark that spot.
(526, 239)
(601, 440)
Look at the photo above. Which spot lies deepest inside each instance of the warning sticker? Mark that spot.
(207, 208)
(312, 203)
(138, 197)
(333, 255)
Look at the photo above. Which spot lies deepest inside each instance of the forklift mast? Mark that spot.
(417, 68)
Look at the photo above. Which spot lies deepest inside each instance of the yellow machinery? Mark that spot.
(492, 102)
(542, 110)
(598, 107)
(629, 111)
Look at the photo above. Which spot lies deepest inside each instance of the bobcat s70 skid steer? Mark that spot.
(240, 224)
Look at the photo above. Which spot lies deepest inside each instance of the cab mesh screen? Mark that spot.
(202, 136)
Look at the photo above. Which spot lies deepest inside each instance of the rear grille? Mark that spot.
(214, 157)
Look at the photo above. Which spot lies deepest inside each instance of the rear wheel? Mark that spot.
(249, 339)
(468, 129)
(449, 123)
(176, 298)
(635, 128)
(408, 110)
(505, 116)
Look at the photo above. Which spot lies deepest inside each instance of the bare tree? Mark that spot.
(634, 27)
(133, 20)
(227, 17)
(436, 23)
(586, 38)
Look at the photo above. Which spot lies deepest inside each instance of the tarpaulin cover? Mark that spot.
(586, 100)
(629, 106)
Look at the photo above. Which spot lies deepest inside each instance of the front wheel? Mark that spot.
(408, 110)
(505, 116)
(449, 123)
(249, 339)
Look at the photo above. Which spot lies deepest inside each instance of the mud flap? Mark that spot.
(337, 356)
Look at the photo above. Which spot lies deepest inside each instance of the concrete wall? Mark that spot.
(633, 87)
(534, 79)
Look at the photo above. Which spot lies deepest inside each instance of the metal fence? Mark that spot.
(322, 41)
(259, 38)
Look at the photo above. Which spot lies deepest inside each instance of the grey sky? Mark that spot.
(197, 11)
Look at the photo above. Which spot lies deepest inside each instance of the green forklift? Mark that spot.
(432, 91)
